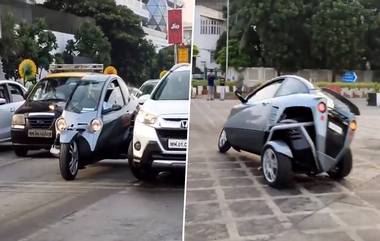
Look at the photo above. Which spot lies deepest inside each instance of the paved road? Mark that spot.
(105, 203)
(227, 200)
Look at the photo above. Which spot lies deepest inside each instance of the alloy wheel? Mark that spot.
(270, 165)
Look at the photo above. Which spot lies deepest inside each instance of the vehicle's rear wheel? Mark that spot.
(140, 173)
(223, 144)
(69, 161)
(20, 151)
(276, 168)
(343, 168)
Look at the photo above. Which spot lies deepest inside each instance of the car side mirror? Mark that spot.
(240, 96)
(3, 101)
(113, 108)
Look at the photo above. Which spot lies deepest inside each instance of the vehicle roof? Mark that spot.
(180, 67)
(303, 80)
(83, 75)
(11, 82)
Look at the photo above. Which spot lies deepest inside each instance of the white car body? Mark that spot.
(13, 102)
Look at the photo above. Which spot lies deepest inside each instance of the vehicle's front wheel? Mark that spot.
(69, 161)
(276, 168)
(343, 168)
(223, 144)
(20, 151)
(140, 173)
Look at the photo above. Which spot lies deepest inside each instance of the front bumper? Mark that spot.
(20, 138)
(154, 151)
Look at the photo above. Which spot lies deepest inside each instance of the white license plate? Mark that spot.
(335, 128)
(177, 144)
(40, 133)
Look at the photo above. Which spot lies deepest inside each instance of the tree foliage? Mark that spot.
(131, 53)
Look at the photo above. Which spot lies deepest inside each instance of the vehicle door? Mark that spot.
(6, 112)
(114, 107)
(251, 122)
(16, 95)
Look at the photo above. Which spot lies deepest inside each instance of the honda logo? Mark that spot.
(184, 124)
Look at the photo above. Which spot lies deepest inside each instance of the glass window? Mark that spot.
(292, 86)
(58, 89)
(174, 87)
(85, 97)
(113, 96)
(147, 88)
(3, 93)
(16, 93)
(266, 92)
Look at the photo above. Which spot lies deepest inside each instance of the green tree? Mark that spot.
(9, 47)
(131, 53)
(90, 42)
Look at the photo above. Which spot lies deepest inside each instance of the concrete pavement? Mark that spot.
(104, 203)
(227, 200)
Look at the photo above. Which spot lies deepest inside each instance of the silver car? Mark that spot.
(295, 127)
(11, 97)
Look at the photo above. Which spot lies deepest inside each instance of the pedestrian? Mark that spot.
(211, 85)
(222, 83)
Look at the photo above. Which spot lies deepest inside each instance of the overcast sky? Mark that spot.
(188, 11)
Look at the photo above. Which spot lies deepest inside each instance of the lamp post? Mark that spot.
(227, 35)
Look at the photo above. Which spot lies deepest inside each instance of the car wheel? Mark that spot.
(223, 144)
(343, 168)
(20, 151)
(276, 168)
(139, 172)
(69, 161)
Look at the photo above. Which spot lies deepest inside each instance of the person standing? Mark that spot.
(222, 83)
(210, 85)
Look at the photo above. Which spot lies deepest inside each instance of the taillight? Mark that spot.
(322, 107)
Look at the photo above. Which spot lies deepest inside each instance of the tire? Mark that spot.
(343, 168)
(69, 161)
(281, 166)
(139, 172)
(20, 151)
(223, 144)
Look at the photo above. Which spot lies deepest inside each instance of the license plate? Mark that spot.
(335, 128)
(177, 144)
(40, 133)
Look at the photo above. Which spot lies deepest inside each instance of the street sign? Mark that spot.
(175, 26)
(349, 76)
(183, 55)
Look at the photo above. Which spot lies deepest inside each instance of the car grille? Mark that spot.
(165, 134)
(41, 122)
(335, 141)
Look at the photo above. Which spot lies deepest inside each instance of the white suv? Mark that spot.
(160, 132)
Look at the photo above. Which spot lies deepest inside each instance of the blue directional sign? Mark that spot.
(349, 76)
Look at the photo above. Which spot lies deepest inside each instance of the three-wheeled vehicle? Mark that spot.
(96, 124)
(295, 127)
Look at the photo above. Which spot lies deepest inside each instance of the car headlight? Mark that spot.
(18, 121)
(96, 125)
(146, 117)
(61, 124)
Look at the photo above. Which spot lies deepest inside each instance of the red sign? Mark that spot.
(175, 26)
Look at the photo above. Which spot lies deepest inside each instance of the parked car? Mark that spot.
(33, 124)
(146, 89)
(160, 132)
(295, 127)
(11, 98)
(97, 123)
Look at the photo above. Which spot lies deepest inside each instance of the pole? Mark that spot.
(227, 35)
(175, 45)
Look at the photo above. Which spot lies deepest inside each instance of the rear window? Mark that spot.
(174, 87)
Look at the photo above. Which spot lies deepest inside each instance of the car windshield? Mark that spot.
(85, 97)
(58, 89)
(174, 87)
(147, 88)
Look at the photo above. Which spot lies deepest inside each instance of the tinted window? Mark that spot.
(147, 88)
(85, 97)
(3, 93)
(54, 89)
(266, 93)
(16, 93)
(113, 96)
(174, 87)
(292, 86)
